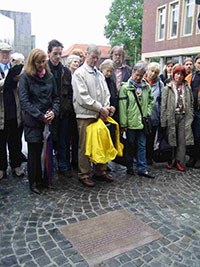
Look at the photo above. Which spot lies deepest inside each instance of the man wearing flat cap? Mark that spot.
(10, 116)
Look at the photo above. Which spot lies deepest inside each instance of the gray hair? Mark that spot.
(17, 56)
(107, 63)
(93, 48)
(71, 58)
(155, 66)
(139, 66)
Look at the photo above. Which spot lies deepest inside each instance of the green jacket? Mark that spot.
(129, 112)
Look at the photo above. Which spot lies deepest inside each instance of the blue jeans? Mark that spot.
(137, 141)
(67, 135)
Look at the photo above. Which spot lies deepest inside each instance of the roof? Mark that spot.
(105, 50)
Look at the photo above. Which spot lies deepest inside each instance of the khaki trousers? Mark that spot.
(83, 161)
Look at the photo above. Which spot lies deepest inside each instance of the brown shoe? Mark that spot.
(105, 177)
(87, 182)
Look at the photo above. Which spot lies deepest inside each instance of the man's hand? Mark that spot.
(112, 111)
(49, 116)
(104, 112)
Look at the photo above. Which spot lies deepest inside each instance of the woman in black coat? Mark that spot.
(40, 103)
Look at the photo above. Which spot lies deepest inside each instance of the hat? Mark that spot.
(5, 47)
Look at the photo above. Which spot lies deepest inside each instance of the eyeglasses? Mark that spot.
(57, 53)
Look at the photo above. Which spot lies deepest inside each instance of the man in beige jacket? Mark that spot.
(91, 100)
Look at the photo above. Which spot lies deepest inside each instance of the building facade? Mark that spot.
(170, 30)
(16, 30)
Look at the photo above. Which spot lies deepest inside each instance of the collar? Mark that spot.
(89, 68)
(5, 67)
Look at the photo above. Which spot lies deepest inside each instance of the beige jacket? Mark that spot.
(90, 92)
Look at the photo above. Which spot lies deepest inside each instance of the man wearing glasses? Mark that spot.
(91, 100)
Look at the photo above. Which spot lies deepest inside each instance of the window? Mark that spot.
(174, 15)
(188, 16)
(161, 23)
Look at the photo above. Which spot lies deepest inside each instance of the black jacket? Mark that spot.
(37, 95)
(195, 84)
(63, 80)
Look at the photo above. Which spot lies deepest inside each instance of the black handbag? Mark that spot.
(146, 121)
(162, 151)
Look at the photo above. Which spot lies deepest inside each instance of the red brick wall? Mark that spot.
(149, 29)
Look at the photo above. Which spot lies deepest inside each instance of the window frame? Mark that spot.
(184, 20)
(164, 7)
(170, 20)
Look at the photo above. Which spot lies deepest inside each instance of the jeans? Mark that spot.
(67, 136)
(137, 139)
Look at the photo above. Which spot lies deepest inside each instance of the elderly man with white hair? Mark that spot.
(152, 77)
(91, 100)
(10, 116)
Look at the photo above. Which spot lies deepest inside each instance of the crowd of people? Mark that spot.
(43, 92)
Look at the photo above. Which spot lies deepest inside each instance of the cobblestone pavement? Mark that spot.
(29, 224)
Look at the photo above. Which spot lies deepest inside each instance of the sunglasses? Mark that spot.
(57, 53)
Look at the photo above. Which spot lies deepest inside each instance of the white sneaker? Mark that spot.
(18, 171)
(2, 174)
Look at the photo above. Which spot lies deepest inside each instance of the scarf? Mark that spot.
(41, 73)
(152, 82)
(57, 73)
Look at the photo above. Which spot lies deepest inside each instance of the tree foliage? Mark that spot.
(124, 26)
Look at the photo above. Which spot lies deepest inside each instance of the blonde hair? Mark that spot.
(155, 66)
(30, 67)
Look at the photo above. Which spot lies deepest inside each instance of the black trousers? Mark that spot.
(10, 136)
(150, 143)
(34, 164)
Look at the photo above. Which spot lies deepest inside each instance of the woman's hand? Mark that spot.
(49, 116)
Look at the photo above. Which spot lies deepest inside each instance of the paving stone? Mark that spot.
(30, 264)
(48, 245)
(9, 261)
(43, 261)
(76, 258)
(124, 258)
(60, 260)
(134, 254)
(38, 253)
(113, 263)
(147, 258)
(25, 258)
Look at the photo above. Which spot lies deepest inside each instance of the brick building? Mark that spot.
(170, 29)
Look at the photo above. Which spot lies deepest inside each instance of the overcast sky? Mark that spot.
(69, 21)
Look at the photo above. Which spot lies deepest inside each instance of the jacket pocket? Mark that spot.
(32, 122)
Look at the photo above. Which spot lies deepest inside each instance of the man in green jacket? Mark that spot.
(131, 118)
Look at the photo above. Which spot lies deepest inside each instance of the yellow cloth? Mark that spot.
(99, 145)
